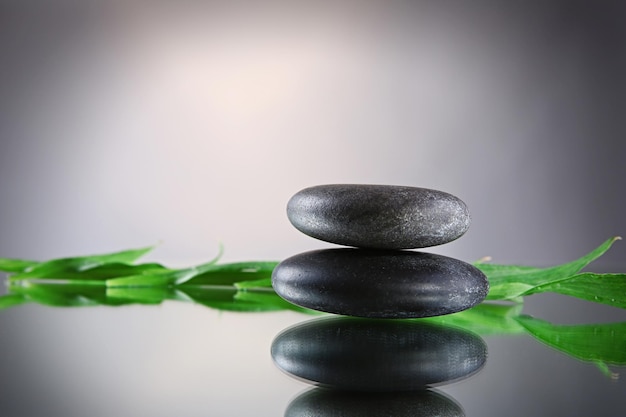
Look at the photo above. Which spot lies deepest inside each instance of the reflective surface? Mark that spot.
(127, 123)
(377, 355)
(328, 403)
(205, 359)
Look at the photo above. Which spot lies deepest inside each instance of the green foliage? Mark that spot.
(119, 270)
(11, 300)
(485, 319)
(66, 268)
(513, 282)
(16, 265)
(601, 344)
(116, 279)
(607, 289)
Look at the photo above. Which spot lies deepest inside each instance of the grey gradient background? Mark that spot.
(129, 123)
(124, 124)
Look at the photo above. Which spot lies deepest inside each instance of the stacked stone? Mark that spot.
(377, 276)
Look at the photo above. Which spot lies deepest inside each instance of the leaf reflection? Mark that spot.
(225, 298)
(602, 344)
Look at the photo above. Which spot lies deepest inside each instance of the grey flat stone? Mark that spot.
(375, 283)
(378, 216)
(377, 355)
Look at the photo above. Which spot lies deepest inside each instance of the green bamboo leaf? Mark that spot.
(96, 274)
(262, 283)
(497, 271)
(70, 294)
(596, 343)
(225, 299)
(271, 301)
(57, 268)
(505, 287)
(10, 300)
(115, 269)
(206, 274)
(58, 295)
(485, 319)
(233, 273)
(16, 265)
(165, 277)
(607, 289)
(604, 368)
(140, 295)
(511, 291)
(158, 279)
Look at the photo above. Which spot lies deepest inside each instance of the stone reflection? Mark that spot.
(357, 354)
(328, 403)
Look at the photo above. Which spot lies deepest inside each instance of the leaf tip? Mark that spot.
(484, 259)
(220, 253)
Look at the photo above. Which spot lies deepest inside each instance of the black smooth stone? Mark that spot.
(378, 216)
(377, 355)
(331, 403)
(383, 284)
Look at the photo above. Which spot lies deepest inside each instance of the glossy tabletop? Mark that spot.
(199, 356)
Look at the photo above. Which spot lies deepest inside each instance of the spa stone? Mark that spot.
(378, 216)
(382, 284)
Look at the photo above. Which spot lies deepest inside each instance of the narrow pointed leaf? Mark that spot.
(16, 265)
(604, 368)
(257, 283)
(206, 274)
(504, 286)
(497, 271)
(97, 273)
(270, 301)
(485, 319)
(10, 300)
(232, 273)
(595, 343)
(70, 294)
(223, 299)
(165, 277)
(58, 295)
(57, 267)
(162, 279)
(142, 295)
(607, 289)
(508, 291)
(185, 275)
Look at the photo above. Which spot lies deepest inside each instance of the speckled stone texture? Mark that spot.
(378, 216)
(382, 284)
(377, 355)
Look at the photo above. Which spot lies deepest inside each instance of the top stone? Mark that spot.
(378, 216)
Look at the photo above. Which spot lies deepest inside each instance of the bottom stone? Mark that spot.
(381, 284)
